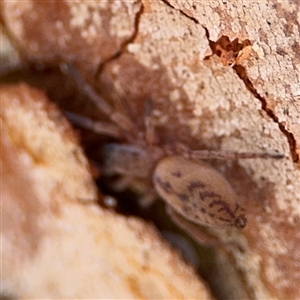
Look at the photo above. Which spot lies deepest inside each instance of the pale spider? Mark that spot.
(195, 192)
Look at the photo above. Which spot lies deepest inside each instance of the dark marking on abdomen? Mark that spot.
(183, 197)
(207, 194)
(195, 185)
(176, 174)
(165, 185)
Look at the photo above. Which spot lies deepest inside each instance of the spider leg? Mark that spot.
(148, 199)
(121, 120)
(99, 127)
(122, 183)
(149, 127)
(219, 154)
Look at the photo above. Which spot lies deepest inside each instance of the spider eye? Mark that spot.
(240, 221)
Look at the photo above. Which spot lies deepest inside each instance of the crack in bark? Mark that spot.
(241, 72)
(124, 44)
(182, 12)
(239, 69)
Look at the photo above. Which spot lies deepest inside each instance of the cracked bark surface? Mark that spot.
(162, 50)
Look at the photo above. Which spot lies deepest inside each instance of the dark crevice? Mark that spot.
(125, 43)
(241, 72)
(228, 51)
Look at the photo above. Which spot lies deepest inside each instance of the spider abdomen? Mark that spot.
(198, 192)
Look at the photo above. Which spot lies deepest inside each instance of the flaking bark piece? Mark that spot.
(55, 245)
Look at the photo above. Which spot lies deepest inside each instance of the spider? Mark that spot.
(195, 193)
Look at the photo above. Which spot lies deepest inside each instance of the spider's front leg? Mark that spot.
(98, 127)
(118, 119)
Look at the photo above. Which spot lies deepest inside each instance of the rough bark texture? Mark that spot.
(213, 91)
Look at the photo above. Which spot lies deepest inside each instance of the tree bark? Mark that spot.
(221, 75)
